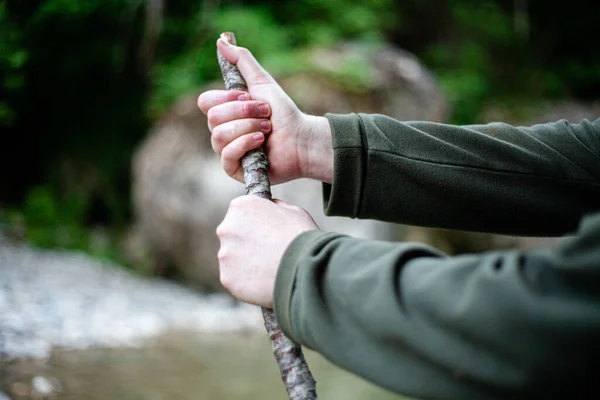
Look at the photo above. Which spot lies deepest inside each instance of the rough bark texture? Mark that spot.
(174, 169)
(295, 374)
(256, 173)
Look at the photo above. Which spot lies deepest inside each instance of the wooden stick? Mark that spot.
(296, 376)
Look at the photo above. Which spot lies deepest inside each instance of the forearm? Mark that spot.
(499, 325)
(535, 181)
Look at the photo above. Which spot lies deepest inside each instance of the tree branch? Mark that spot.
(296, 376)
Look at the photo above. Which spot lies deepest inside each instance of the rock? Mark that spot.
(45, 388)
(42, 385)
(181, 194)
(541, 112)
(51, 299)
(20, 389)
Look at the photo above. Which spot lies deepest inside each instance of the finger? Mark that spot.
(234, 151)
(251, 70)
(234, 110)
(298, 210)
(223, 134)
(212, 98)
(289, 206)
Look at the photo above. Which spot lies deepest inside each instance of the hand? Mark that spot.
(254, 235)
(298, 145)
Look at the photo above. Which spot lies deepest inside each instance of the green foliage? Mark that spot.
(277, 37)
(315, 22)
(171, 79)
(255, 27)
(489, 50)
(75, 90)
(47, 220)
(184, 72)
(81, 96)
(465, 63)
(12, 59)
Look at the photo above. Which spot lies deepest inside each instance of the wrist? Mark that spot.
(317, 150)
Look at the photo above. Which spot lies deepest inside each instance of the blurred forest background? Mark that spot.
(82, 81)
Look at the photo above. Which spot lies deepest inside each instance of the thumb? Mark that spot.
(251, 70)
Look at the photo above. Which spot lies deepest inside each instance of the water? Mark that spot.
(183, 366)
(75, 328)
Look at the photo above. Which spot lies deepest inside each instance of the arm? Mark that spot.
(537, 180)
(499, 178)
(501, 325)
(498, 325)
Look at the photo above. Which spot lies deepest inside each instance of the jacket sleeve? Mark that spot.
(498, 325)
(537, 180)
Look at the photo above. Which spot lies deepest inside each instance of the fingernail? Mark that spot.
(258, 137)
(265, 126)
(244, 97)
(263, 110)
(224, 42)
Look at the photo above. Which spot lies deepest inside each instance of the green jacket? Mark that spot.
(498, 325)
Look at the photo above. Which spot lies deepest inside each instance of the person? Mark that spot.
(505, 324)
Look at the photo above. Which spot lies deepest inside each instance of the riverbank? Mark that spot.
(66, 299)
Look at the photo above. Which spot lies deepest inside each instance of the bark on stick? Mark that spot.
(296, 376)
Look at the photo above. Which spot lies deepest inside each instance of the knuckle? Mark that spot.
(205, 97)
(226, 154)
(245, 108)
(222, 255)
(227, 161)
(220, 231)
(225, 280)
(216, 147)
(224, 97)
(210, 115)
(217, 135)
(244, 52)
(228, 281)
(237, 202)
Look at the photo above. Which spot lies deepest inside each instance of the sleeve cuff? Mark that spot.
(285, 281)
(344, 196)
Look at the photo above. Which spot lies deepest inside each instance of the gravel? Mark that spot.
(66, 299)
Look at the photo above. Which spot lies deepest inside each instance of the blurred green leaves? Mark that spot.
(12, 60)
(74, 89)
(276, 36)
(181, 73)
(50, 220)
(255, 28)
